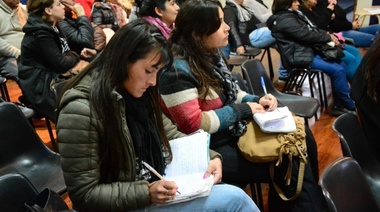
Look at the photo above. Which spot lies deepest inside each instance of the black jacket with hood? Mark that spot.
(42, 58)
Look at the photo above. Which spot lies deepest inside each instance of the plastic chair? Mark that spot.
(22, 151)
(297, 76)
(302, 106)
(15, 191)
(345, 187)
(4, 90)
(355, 144)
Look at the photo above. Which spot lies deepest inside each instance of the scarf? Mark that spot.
(146, 141)
(165, 29)
(230, 88)
(244, 13)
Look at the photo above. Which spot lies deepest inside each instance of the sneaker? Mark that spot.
(337, 111)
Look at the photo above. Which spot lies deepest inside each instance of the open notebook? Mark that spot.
(276, 121)
(190, 161)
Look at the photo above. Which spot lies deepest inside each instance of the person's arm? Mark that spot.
(181, 100)
(81, 34)
(97, 16)
(48, 48)
(78, 137)
(297, 30)
(8, 50)
(230, 17)
(340, 22)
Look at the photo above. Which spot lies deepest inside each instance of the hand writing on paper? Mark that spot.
(269, 102)
(215, 168)
(162, 191)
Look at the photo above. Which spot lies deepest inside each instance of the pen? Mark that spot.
(265, 91)
(264, 87)
(155, 172)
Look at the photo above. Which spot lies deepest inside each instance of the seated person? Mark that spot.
(13, 18)
(362, 36)
(77, 27)
(199, 93)
(365, 91)
(108, 14)
(45, 55)
(352, 56)
(112, 112)
(295, 36)
(243, 23)
(161, 13)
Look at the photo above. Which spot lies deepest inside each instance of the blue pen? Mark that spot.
(264, 87)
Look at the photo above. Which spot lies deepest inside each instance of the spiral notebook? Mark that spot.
(276, 121)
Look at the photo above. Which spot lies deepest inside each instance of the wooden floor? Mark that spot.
(327, 141)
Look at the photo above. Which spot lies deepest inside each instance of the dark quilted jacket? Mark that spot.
(295, 38)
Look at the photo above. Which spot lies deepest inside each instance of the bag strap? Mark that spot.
(301, 173)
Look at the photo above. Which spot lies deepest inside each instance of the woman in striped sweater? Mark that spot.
(199, 93)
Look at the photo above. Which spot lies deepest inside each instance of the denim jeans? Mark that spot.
(352, 59)
(223, 197)
(337, 74)
(364, 36)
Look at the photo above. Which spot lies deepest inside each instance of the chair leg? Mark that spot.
(4, 91)
(257, 195)
(52, 139)
(270, 63)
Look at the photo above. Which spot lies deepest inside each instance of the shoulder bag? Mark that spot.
(257, 146)
(329, 53)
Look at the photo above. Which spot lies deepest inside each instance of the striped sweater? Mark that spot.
(182, 103)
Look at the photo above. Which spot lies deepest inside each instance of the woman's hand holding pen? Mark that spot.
(162, 191)
(215, 168)
(269, 102)
(256, 108)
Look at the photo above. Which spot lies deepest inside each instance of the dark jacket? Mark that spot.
(79, 127)
(368, 110)
(103, 16)
(295, 38)
(41, 59)
(239, 32)
(79, 32)
(340, 22)
(320, 16)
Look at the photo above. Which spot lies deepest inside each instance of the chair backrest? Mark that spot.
(345, 187)
(254, 70)
(58, 88)
(355, 144)
(240, 81)
(22, 151)
(353, 140)
(15, 191)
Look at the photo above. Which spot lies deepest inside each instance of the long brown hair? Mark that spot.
(195, 20)
(130, 43)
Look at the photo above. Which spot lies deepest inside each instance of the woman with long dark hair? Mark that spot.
(110, 121)
(200, 93)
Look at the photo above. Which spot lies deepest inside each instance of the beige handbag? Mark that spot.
(257, 146)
